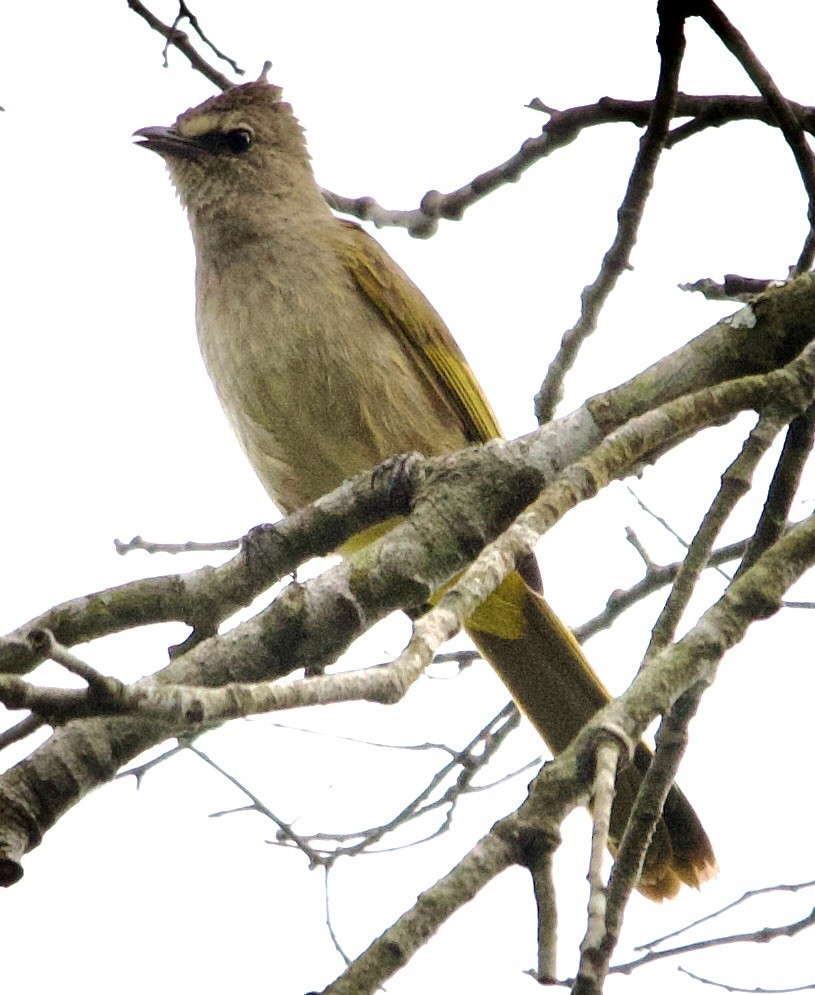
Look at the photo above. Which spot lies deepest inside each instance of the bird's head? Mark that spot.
(237, 147)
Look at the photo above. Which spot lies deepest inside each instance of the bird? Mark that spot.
(327, 360)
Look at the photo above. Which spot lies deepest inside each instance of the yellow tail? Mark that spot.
(545, 671)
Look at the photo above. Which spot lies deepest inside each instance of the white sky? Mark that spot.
(111, 429)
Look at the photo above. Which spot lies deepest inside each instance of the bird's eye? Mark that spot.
(238, 140)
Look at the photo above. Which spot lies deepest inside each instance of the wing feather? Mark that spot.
(425, 337)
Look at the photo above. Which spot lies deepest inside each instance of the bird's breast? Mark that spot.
(315, 384)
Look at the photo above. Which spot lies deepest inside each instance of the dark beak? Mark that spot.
(167, 142)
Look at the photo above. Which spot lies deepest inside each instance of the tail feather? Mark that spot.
(547, 674)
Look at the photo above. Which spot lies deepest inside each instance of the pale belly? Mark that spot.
(316, 386)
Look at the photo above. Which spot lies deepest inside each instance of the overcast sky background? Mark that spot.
(110, 428)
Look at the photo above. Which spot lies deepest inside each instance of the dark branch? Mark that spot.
(671, 45)
(783, 111)
(178, 39)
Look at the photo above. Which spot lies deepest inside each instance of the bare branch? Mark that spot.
(753, 991)
(605, 773)
(671, 46)
(185, 12)
(20, 730)
(736, 482)
(783, 487)
(206, 597)
(784, 113)
(178, 39)
(284, 828)
(746, 897)
(655, 577)
(735, 288)
(564, 128)
(327, 847)
(763, 935)
(173, 548)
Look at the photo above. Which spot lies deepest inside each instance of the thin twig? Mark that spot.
(735, 484)
(763, 935)
(784, 113)
(668, 527)
(746, 897)
(284, 828)
(184, 11)
(490, 737)
(748, 991)
(20, 730)
(140, 772)
(178, 39)
(174, 548)
(607, 756)
(739, 289)
(671, 46)
(563, 128)
(783, 487)
(329, 925)
(655, 578)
